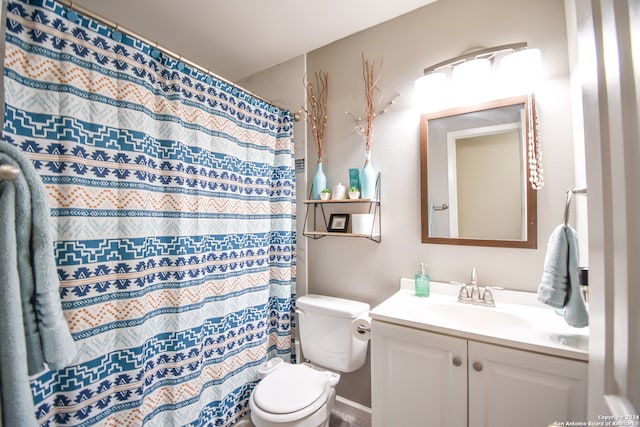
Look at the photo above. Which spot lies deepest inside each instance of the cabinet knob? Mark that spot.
(477, 366)
(457, 361)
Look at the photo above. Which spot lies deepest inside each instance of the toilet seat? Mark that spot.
(291, 392)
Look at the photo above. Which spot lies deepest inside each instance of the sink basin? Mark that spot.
(476, 317)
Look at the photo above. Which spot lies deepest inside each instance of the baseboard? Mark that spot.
(354, 409)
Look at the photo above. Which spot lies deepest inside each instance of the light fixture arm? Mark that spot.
(475, 54)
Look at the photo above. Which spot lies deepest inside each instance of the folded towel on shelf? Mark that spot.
(32, 321)
(559, 285)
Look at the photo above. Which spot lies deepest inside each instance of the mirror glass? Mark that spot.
(474, 175)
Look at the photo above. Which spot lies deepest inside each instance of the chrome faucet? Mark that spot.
(472, 294)
(475, 292)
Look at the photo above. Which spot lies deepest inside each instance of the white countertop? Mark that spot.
(518, 320)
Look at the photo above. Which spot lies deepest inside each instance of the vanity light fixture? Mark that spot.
(517, 64)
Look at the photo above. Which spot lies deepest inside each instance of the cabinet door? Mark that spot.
(417, 378)
(510, 387)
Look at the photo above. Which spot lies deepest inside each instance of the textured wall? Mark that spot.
(367, 271)
(370, 272)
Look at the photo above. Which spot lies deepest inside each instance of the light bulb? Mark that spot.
(521, 70)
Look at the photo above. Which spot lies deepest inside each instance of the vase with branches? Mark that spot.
(364, 127)
(316, 115)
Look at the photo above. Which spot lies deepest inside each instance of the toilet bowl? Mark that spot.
(293, 395)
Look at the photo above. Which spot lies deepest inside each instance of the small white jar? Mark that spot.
(339, 192)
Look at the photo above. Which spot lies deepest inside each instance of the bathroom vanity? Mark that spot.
(438, 362)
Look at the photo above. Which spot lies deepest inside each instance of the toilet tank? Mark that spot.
(324, 324)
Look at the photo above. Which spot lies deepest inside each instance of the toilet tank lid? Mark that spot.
(338, 307)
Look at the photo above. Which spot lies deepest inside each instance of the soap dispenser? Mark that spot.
(422, 282)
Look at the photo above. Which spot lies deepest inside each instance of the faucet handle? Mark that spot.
(464, 291)
(487, 295)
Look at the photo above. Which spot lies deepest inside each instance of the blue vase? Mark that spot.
(319, 182)
(368, 179)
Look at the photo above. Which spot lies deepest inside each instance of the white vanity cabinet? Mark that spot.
(423, 378)
(414, 379)
(509, 387)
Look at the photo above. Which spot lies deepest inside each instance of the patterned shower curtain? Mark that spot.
(173, 200)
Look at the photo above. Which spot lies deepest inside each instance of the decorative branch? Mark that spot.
(317, 109)
(364, 128)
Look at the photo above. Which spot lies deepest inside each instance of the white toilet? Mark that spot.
(303, 395)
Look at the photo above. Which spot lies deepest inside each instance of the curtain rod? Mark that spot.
(93, 15)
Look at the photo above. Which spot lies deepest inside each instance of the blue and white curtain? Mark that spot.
(173, 202)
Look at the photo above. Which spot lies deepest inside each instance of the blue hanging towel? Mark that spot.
(559, 285)
(33, 331)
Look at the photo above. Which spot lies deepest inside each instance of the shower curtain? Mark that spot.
(173, 200)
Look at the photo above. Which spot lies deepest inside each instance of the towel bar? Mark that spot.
(9, 172)
(570, 194)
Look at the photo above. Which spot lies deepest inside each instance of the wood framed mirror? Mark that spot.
(474, 173)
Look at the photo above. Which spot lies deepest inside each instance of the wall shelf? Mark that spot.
(316, 227)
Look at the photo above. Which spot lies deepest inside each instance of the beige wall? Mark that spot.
(367, 271)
